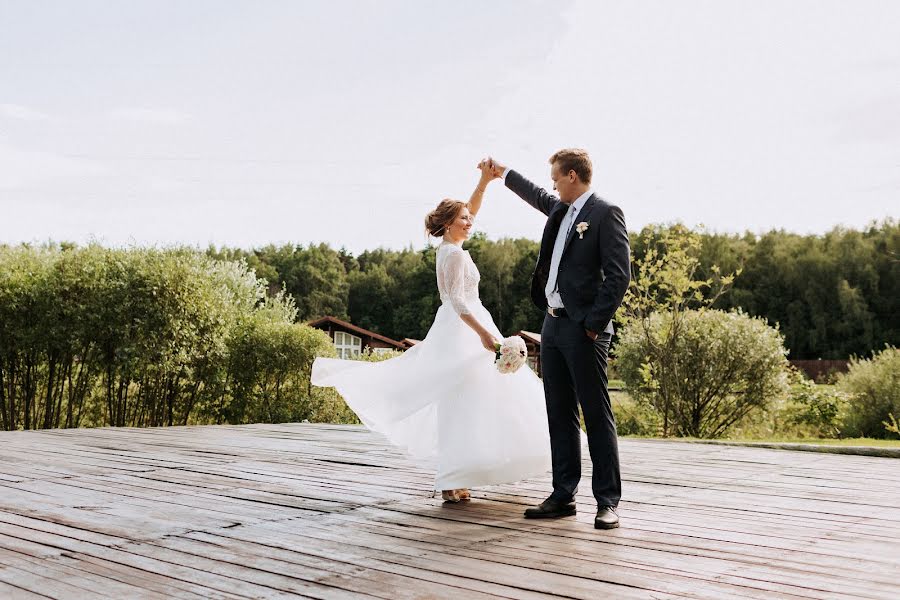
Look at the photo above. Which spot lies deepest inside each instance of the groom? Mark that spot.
(582, 272)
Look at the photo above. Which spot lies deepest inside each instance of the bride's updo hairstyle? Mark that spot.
(438, 220)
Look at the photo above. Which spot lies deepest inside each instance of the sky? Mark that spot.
(245, 123)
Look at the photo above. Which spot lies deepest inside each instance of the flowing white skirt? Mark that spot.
(444, 400)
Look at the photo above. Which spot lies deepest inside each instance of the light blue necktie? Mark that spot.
(556, 257)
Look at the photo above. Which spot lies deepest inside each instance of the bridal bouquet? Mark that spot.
(511, 354)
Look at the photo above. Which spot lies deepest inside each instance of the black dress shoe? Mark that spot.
(606, 518)
(550, 509)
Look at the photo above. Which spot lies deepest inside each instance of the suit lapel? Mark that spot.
(581, 216)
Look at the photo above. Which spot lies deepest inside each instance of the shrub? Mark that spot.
(634, 417)
(874, 389)
(368, 355)
(144, 336)
(893, 426)
(710, 373)
(812, 410)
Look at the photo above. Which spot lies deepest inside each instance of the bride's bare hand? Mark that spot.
(488, 341)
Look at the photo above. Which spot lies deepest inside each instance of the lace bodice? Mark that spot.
(457, 277)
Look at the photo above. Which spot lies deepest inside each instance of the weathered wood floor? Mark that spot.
(285, 511)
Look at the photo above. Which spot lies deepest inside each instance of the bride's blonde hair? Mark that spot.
(438, 220)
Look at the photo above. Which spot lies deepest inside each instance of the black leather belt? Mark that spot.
(557, 312)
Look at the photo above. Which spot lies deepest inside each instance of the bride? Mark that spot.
(443, 399)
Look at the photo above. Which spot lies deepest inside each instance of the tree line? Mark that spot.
(146, 337)
(832, 296)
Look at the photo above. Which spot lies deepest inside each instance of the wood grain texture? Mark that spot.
(327, 511)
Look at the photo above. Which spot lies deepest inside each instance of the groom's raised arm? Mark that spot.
(536, 196)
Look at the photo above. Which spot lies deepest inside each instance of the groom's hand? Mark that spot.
(491, 168)
(591, 334)
(496, 167)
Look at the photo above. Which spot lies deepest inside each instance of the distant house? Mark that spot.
(350, 340)
(533, 343)
(409, 342)
(821, 370)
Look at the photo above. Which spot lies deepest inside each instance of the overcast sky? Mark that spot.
(247, 123)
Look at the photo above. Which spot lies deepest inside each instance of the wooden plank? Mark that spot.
(333, 511)
(356, 578)
(436, 565)
(225, 588)
(785, 565)
(54, 569)
(614, 566)
(9, 590)
(44, 581)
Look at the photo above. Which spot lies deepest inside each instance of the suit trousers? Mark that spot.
(574, 372)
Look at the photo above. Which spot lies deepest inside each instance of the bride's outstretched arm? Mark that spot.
(474, 204)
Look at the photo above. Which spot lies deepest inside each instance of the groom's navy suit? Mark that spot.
(593, 275)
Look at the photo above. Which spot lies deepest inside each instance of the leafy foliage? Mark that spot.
(831, 295)
(874, 389)
(709, 375)
(94, 336)
(147, 337)
(702, 370)
(814, 410)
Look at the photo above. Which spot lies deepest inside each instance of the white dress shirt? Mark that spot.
(553, 297)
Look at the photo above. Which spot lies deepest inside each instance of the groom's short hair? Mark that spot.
(574, 159)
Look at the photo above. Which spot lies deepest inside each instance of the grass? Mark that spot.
(631, 417)
(869, 442)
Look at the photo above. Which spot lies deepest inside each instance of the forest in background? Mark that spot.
(93, 336)
(832, 296)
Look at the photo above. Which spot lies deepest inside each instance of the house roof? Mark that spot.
(356, 329)
(530, 336)
(409, 341)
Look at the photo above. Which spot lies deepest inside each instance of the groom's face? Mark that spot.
(564, 183)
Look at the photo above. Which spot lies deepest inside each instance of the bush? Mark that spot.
(634, 417)
(710, 373)
(874, 389)
(368, 355)
(147, 337)
(893, 426)
(270, 369)
(812, 410)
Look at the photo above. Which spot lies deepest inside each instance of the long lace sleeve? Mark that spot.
(455, 282)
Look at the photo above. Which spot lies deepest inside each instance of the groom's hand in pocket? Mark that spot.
(591, 334)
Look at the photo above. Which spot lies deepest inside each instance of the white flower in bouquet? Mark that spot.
(511, 354)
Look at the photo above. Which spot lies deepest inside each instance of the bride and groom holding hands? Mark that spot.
(444, 400)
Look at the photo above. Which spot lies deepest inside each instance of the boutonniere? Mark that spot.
(581, 228)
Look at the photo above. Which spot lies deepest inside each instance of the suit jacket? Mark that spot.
(595, 268)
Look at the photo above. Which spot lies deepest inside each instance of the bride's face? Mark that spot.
(461, 226)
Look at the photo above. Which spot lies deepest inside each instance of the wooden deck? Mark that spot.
(286, 511)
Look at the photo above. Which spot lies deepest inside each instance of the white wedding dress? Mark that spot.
(444, 399)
